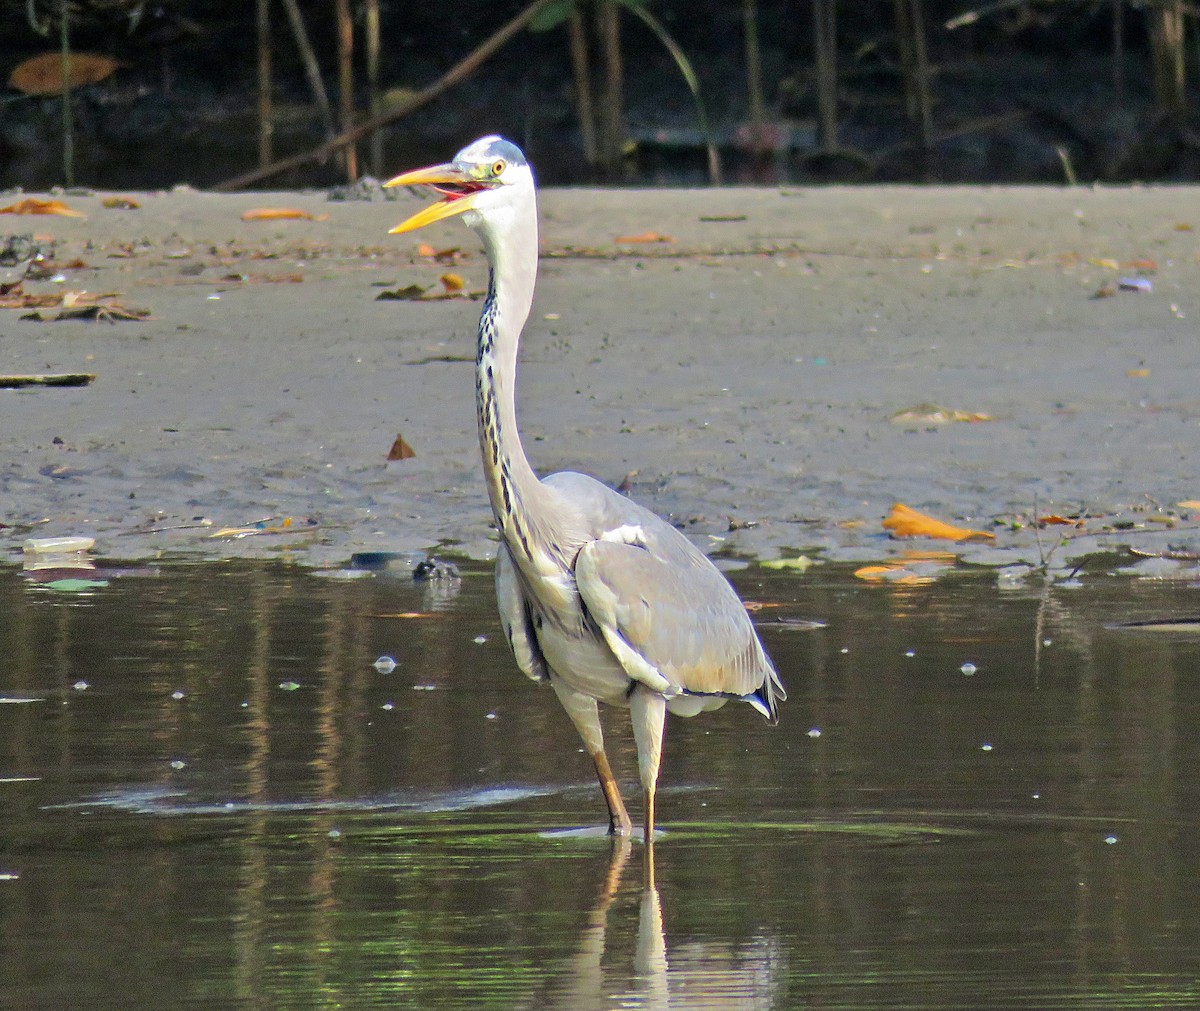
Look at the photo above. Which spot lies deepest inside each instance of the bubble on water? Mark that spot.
(1047, 643)
(1112, 840)
(1036, 796)
(424, 688)
(178, 764)
(910, 653)
(335, 833)
(491, 716)
(845, 649)
(480, 640)
(968, 668)
(985, 747)
(288, 686)
(385, 665)
(387, 707)
(81, 686)
(177, 695)
(9, 876)
(245, 704)
(815, 732)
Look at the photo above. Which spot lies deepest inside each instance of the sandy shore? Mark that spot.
(749, 370)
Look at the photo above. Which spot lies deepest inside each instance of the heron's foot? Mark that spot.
(620, 825)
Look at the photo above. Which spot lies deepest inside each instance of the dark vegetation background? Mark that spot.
(1046, 91)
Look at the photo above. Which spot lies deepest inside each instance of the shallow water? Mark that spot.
(210, 797)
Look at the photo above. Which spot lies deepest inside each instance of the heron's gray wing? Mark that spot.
(516, 619)
(671, 618)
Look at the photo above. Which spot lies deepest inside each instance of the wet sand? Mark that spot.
(748, 371)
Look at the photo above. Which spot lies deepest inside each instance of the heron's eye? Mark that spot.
(499, 167)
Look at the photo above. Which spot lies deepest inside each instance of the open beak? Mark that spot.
(457, 188)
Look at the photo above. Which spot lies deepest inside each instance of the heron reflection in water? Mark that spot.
(597, 595)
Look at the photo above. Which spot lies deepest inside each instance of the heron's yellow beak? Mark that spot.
(457, 188)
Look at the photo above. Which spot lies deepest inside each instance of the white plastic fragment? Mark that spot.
(385, 665)
(58, 545)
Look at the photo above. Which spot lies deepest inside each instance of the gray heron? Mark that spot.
(597, 595)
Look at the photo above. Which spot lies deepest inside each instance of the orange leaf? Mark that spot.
(1059, 521)
(425, 249)
(43, 74)
(904, 521)
(281, 214)
(401, 450)
(644, 237)
(32, 205)
(452, 283)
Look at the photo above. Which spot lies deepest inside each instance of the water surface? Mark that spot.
(211, 797)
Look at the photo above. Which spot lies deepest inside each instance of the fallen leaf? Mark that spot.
(452, 283)
(281, 214)
(1137, 373)
(34, 205)
(1149, 266)
(801, 564)
(120, 203)
(405, 614)
(407, 294)
(897, 573)
(47, 379)
(904, 521)
(644, 237)
(1107, 264)
(931, 414)
(1191, 503)
(1183, 226)
(425, 249)
(1105, 291)
(401, 450)
(43, 74)
(1060, 521)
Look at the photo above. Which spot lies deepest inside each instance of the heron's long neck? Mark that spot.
(516, 495)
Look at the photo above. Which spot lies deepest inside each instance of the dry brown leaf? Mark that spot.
(401, 450)
(43, 74)
(35, 205)
(281, 214)
(904, 521)
(120, 203)
(644, 237)
(406, 294)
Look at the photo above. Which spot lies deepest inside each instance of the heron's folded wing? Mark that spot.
(516, 619)
(673, 621)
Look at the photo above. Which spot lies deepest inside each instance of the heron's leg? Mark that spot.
(585, 715)
(648, 711)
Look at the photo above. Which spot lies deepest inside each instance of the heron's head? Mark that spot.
(486, 182)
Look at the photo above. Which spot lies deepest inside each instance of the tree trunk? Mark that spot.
(373, 94)
(265, 126)
(312, 69)
(612, 113)
(754, 79)
(345, 51)
(910, 33)
(585, 110)
(1167, 51)
(825, 44)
